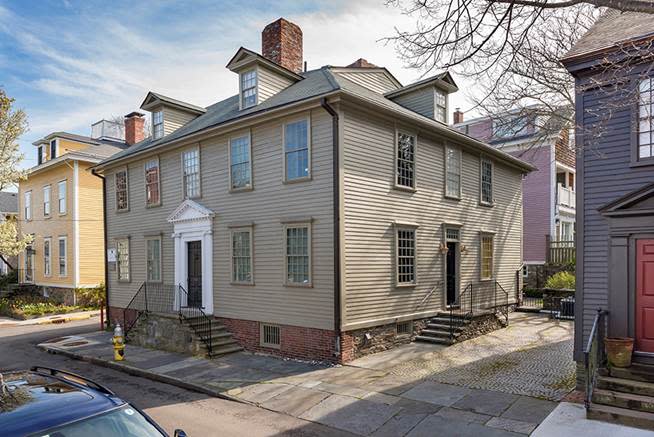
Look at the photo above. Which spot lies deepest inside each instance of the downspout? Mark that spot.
(336, 187)
(106, 265)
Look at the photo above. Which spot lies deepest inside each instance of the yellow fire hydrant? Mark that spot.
(119, 343)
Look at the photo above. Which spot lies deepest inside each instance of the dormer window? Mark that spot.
(53, 149)
(440, 105)
(248, 89)
(40, 155)
(157, 124)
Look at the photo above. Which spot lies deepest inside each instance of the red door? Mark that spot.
(645, 295)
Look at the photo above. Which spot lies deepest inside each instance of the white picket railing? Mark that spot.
(566, 197)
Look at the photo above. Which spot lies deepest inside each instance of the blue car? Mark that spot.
(45, 402)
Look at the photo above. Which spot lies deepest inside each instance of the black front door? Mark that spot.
(451, 269)
(194, 279)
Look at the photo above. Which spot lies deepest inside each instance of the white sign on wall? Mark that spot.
(111, 255)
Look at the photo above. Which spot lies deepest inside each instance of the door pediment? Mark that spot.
(190, 211)
(639, 202)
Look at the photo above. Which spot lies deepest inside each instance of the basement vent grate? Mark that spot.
(271, 336)
(404, 328)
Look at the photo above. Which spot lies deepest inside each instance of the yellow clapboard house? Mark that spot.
(61, 206)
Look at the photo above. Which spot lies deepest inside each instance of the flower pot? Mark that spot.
(619, 350)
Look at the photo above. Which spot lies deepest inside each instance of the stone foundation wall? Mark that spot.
(65, 296)
(296, 341)
(164, 332)
(479, 326)
(354, 344)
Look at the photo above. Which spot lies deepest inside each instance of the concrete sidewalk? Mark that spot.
(358, 400)
(58, 318)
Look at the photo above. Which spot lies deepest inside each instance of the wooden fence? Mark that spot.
(560, 252)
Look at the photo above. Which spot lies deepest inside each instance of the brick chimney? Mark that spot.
(361, 63)
(134, 122)
(458, 116)
(281, 42)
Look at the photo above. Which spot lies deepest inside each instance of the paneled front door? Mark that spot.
(194, 279)
(452, 269)
(645, 295)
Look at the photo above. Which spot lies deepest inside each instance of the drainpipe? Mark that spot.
(106, 265)
(337, 223)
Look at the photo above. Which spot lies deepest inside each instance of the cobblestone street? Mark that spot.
(531, 357)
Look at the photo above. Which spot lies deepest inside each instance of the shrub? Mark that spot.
(24, 305)
(561, 280)
(91, 297)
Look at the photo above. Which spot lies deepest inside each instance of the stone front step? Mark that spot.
(442, 320)
(442, 327)
(224, 350)
(435, 340)
(637, 372)
(440, 333)
(624, 400)
(625, 386)
(622, 416)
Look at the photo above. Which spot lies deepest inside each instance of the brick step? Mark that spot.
(621, 416)
(637, 372)
(435, 340)
(224, 350)
(436, 333)
(625, 385)
(629, 401)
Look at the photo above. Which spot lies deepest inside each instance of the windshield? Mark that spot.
(122, 422)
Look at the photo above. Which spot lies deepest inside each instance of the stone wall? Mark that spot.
(164, 332)
(354, 344)
(480, 326)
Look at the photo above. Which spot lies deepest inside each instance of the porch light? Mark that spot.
(463, 249)
(443, 248)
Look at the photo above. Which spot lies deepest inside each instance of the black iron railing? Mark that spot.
(594, 356)
(151, 297)
(477, 299)
(191, 312)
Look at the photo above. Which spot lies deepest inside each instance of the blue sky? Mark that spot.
(71, 63)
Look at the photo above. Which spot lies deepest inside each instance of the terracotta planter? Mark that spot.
(619, 350)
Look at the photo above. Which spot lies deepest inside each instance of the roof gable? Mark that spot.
(442, 80)
(639, 202)
(153, 99)
(245, 58)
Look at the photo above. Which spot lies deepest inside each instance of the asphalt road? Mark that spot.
(171, 407)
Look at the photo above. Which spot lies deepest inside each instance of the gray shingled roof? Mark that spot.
(612, 28)
(316, 83)
(8, 202)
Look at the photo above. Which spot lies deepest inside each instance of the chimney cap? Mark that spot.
(134, 114)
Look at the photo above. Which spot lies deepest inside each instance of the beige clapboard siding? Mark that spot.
(91, 227)
(420, 101)
(174, 119)
(270, 201)
(371, 204)
(373, 80)
(270, 83)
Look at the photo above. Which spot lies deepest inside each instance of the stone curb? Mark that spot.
(135, 371)
(49, 320)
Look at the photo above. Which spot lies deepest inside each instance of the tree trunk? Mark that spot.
(6, 262)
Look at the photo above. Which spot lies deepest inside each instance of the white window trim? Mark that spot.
(308, 177)
(27, 207)
(483, 235)
(146, 240)
(241, 99)
(403, 227)
(154, 125)
(47, 188)
(286, 226)
(65, 198)
(250, 185)
(129, 261)
(415, 160)
(249, 229)
(459, 195)
(199, 195)
(145, 182)
(41, 155)
(262, 341)
(65, 240)
(481, 172)
(121, 170)
(436, 105)
(48, 272)
(56, 141)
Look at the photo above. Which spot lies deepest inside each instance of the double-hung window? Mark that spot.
(191, 172)
(486, 250)
(486, 182)
(242, 256)
(153, 259)
(53, 149)
(297, 155)
(157, 124)
(63, 259)
(46, 200)
(240, 164)
(47, 264)
(61, 196)
(28, 205)
(405, 246)
(453, 172)
(298, 254)
(646, 119)
(405, 167)
(248, 89)
(120, 183)
(122, 259)
(440, 105)
(152, 192)
(39, 156)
